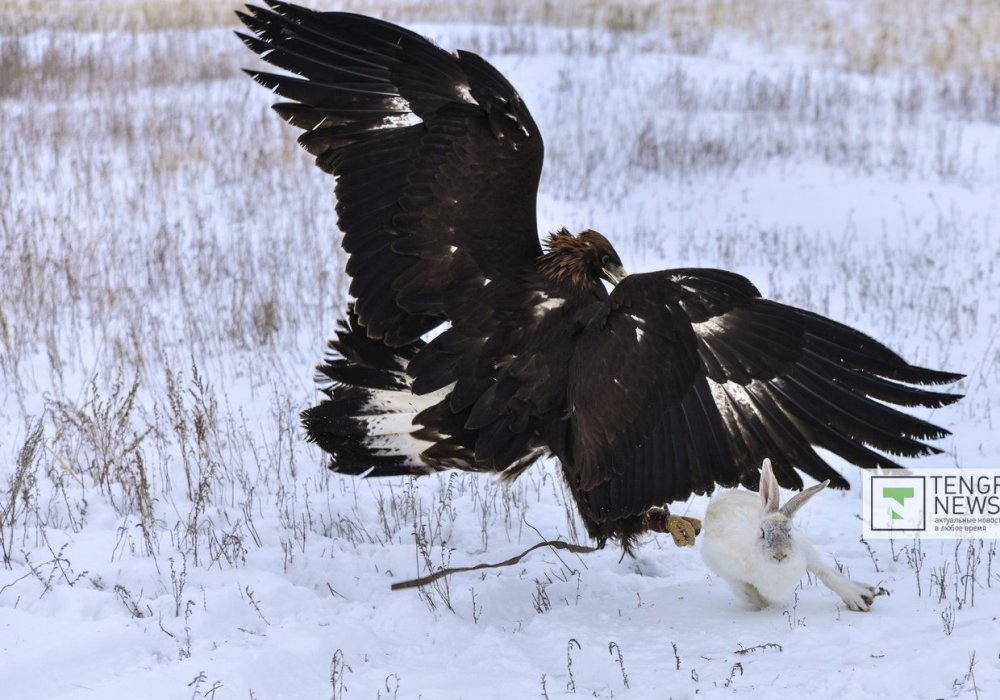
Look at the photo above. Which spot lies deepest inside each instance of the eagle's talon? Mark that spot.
(682, 528)
(695, 523)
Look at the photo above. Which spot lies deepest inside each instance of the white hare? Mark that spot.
(749, 541)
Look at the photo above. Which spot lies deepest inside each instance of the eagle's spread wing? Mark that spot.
(686, 378)
(437, 158)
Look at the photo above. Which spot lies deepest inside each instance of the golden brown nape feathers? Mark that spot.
(582, 260)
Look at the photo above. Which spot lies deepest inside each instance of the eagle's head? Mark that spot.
(584, 259)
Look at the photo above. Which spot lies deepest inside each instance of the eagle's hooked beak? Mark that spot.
(614, 274)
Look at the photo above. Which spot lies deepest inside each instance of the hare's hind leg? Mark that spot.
(752, 595)
(856, 595)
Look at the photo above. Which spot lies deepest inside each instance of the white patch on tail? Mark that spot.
(389, 423)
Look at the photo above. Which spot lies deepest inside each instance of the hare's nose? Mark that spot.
(779, 557)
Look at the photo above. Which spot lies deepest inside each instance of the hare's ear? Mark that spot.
(799, 499)
(768, 488)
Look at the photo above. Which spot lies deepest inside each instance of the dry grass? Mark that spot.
(938, 35)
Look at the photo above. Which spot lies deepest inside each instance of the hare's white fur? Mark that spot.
(750, 542)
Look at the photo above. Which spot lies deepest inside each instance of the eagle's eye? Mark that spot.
(605, 260)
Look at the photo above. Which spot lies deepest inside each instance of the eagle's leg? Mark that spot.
(682, 528)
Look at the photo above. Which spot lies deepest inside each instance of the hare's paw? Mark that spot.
(753, 596)
(859, 596)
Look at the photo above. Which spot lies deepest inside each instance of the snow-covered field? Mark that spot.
(170, 272)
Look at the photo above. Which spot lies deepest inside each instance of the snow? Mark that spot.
(162, 233)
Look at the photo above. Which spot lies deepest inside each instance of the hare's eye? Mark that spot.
(762, 533)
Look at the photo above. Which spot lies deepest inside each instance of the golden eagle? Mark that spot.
(673, 382)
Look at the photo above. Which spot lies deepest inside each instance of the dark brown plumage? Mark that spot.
(674, 382)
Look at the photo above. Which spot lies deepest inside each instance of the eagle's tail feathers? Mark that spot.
(367, 423)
